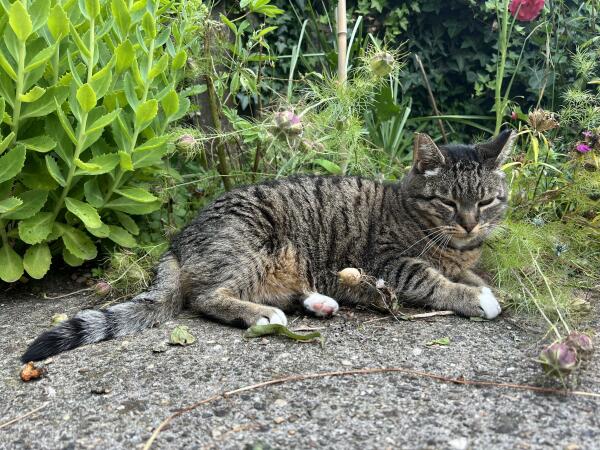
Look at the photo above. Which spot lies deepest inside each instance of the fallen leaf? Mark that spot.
(30, 372)
(440, 341)
(181, 336)
(59, 318)
(276, 329)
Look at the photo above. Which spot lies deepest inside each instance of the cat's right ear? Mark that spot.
(426, 155)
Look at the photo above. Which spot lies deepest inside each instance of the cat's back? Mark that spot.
(290, 207)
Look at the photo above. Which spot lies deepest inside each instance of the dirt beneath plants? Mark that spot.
(115, 393)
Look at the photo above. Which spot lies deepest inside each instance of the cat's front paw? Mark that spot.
(488, 303)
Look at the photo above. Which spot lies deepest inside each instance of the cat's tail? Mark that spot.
(161, 302)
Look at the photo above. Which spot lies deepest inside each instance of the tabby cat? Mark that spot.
(260, 251)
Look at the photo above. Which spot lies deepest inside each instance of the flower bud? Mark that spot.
(382, 64)
(558, 359)
(580, 342)
(350, 276)
(514, 115)
(288, 122)
(186, 142)
(102, 288)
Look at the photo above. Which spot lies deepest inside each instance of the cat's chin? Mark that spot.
(466, 241)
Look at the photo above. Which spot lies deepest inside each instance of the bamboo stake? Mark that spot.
(342, 32)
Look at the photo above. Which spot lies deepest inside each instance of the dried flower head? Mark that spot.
(558, 359)
(580, 342)
(526, 10)
(541, 120)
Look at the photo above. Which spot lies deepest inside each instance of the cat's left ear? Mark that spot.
(497, 151)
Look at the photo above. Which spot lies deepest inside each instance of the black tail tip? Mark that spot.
(66, 336)
(43, 347)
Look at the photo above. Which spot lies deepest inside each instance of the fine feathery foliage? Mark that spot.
(87, 93)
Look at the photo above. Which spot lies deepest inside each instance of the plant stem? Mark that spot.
(3, 233)
(216, 119)
(502, 49)
(71, 174)
(342, 31)
(136, 131)
(82, 127)
(19, 89)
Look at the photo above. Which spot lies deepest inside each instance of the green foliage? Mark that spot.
(87, 93)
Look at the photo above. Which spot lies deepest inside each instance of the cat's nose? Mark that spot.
(468, 221)
(468, 226)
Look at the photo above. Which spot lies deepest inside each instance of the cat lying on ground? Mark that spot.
(260, 251)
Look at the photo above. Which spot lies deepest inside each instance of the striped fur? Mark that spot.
(262, 249)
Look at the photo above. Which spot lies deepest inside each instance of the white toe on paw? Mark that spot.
(276, 316)
(321, 305)
(489, 304)
(262, 321)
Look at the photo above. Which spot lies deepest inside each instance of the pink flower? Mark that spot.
(526, 10)
(513, 115)
(583, 148)
(587, 134)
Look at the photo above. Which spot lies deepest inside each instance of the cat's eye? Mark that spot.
(447, 202)
(486, 202)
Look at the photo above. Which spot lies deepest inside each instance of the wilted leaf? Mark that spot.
(276, 329)
(58, 319)
(181, 336)
(440, 341)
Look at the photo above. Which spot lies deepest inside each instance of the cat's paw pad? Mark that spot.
(489, 304)
(321, 305)
(276, 316)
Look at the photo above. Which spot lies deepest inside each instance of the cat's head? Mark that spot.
(458, 192)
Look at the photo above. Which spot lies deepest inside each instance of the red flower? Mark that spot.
(526, 10)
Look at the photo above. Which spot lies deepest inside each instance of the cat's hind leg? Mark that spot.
(223, 305)
(320, 305)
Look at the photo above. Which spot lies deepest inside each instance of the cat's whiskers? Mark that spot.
(439, 237)
(427, 236)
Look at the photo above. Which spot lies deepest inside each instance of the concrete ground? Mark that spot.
(113, 394)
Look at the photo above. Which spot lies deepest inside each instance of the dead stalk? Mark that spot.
(368, 371)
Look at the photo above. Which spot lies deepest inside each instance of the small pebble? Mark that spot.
(279, 420)
(417, 351)
(100, 390)
(346, 362)
(160, 347)
(280, 402)
(460, 443)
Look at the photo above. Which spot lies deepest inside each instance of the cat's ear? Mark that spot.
(497, 151)
(426, 155)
